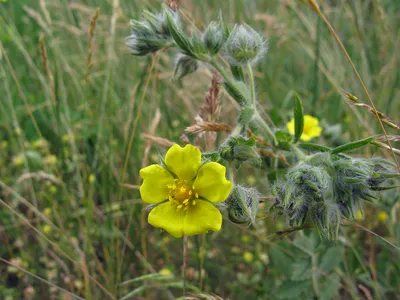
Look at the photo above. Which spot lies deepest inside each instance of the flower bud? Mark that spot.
(244, 45)
(184, 65)
(240, 149)
(144, 39)
(243, 205)
(214, 37)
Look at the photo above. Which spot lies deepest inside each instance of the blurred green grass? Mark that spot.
(87, 128)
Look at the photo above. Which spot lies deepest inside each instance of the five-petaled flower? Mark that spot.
(184, 191)
(311, 128)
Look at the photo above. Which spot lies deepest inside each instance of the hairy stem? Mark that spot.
(252, 85)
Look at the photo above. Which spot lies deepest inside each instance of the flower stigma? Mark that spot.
(182, 194)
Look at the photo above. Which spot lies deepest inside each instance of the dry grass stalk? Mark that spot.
(184, 139)
(210, 110)
(315, 7)
(158, 140)
(45, 63)
(353, 100)
(208, 127)
(268, 153)
(173, 4)
(89, 64)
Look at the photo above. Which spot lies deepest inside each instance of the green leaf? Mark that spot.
(298, 119)
(352, 146)
(316, 147)
(281, 261)
(133, 293)
(178, 35)
(301, 270)
(330, 288)
(331, 259)
(239, 91)
(237, 73)
(293, 289)
(283, 138)
(154, 276)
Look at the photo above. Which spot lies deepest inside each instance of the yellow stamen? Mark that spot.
(190, 193)
(194, 202)
(185, 201)
(197, 195)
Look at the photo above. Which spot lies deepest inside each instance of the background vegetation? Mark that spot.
(65, 124)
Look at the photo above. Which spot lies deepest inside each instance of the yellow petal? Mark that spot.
(314, 131)
(184, 162)
(166, 216)
(310, 121)
(201, 218)
(211, 183)
(290, 126)
(305, 137)
(155, 180)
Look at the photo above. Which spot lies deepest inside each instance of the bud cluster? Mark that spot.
(149, 35)
(325, 187)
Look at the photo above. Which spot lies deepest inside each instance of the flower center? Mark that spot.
(181, 194)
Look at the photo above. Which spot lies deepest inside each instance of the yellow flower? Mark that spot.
(51, 160)
(382, 217)
(46, 229)
(248, 257)
(359, 215)
(47, 211)
(165, 272)
(190, 188)
(92, 178)
(311, 128)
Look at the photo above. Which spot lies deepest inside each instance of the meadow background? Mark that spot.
(64, 135)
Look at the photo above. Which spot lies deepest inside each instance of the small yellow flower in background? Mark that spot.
(382, 217)
(40, 144)
(311, 128)
(165, 272)
(190, 188)
(18, 161)
(46, 228)
(51, 160)
(17, 131)
(47, 211)
(245, 238)
(248, 257)
(52, 189)
(4, 144)
(92, 178)
(359, 215)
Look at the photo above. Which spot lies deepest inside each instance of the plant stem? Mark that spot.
(220, 70)
(202, 252)
(185, 244)
(252, 85)
(261, 122)
(298, 152)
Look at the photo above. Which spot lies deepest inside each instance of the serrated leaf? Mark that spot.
(282, 261)
(238, 90)
(301, 270)
(330, 288)
(330, 259)
(298, 118)
(293, 289)
(352, 146)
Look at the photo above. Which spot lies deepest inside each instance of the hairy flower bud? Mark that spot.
(244, 45)
(243, 205)
(214, 37)
(184, 65)
(144, 40)
(240, 149)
